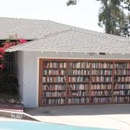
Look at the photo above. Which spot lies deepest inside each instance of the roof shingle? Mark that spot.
(52, 36)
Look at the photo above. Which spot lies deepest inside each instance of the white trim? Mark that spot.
(85, 58)
(56, 51)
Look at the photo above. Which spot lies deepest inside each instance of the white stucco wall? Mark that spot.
(29, 71)
(19, 56)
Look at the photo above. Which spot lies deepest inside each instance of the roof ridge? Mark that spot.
(92, 31)
(70, 27)
(57, 33)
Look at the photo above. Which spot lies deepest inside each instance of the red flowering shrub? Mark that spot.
(12, 41)
(22, 41)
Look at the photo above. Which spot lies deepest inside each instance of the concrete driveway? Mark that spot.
(115, 116)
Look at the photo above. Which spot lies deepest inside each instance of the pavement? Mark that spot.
(112, 116)
(14, 114)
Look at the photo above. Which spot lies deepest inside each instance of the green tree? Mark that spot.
(111, 16)
(71, 2)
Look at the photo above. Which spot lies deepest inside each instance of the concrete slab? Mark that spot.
(115, 116)
(16, 115)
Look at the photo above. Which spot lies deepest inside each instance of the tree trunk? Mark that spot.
(108, 27)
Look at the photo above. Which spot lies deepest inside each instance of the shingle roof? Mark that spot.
(52, 36)
(77, 41)
(29, 28)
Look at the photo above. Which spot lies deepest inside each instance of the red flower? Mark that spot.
(7, 45)
(2, 50)
(22, 41)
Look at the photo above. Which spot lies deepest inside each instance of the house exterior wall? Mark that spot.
(30, 71)
(19, 56)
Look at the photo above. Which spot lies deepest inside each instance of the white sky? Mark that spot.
(84, 14)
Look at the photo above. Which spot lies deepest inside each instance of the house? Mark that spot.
(51, 42)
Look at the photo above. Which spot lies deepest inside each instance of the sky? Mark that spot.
(83, 15)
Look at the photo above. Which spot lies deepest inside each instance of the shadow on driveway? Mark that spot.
(80, 110)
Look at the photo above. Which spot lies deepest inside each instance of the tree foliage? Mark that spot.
(112, 17)
(71, 2)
